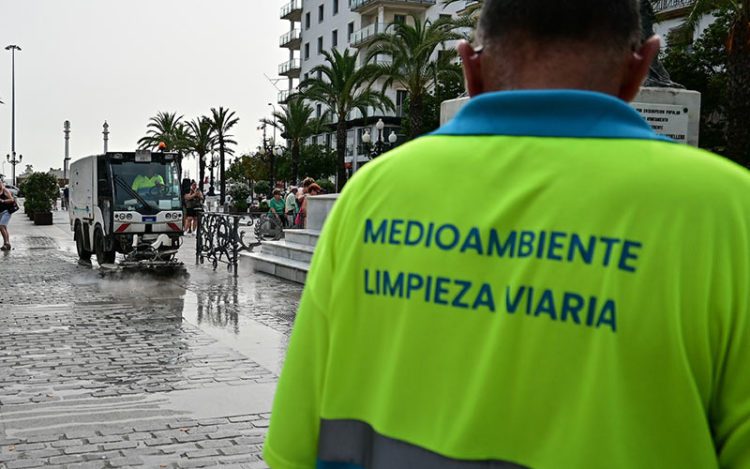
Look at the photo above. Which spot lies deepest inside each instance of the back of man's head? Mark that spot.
(611, 23)
(593, 45)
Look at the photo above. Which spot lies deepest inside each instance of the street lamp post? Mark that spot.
(380, 147)
(211, 163)
(66, 161)
(13, 162)
(13, 48)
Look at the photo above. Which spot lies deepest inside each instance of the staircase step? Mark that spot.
(306, 237)
(283, 248)
(289, 269)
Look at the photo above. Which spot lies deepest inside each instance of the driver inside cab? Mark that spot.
(147, 182)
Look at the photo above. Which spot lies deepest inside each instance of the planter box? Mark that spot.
(43, 218)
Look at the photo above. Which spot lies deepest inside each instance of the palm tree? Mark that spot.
(297, 125)
(222, 121)
(164, 127)
(738, 71)
(202, 142)
(343, 88)
(411, 49)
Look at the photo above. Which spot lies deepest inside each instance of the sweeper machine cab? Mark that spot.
(129, 203)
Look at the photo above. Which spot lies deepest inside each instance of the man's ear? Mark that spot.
(472, 65)
(637, 69)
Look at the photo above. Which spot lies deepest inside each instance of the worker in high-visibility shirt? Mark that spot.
(590, 310)
(145, 182)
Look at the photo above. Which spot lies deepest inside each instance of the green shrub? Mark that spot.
(327, 186)
(239, 192)
(263, 187)
(41, 191)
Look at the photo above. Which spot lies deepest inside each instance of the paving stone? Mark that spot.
(234, 450)
(81, 449)
(224, 434)
(158, 441)
(23, 463)
(66, 443)
(214, 444)
(262, 423)
(127, 461)
(202, 453)
(120, 445)
(43, 453)
(66, 459)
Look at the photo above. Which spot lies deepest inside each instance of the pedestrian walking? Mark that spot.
(310, 191)
(8, 206)
(594, 313)
(276, 207)
(290, 206)
(193, 207)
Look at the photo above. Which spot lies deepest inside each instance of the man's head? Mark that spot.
(552, 44)
(277, 194)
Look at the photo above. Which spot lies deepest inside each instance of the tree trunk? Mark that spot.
(201, 171)
(738, 69)
(222, 184)
(416, 118)
(341, 152)
(295, 161)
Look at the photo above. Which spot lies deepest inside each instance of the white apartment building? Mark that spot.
(319, 25)
(671, 14)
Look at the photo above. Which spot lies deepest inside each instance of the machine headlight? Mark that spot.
(129, 216)
(168, 216)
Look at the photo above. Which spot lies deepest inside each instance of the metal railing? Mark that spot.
(283, 96)
(358, 38)
(289, 66)
(661, 6)
(222, 236)
(290, 7)
(289, 37)
(355, 4)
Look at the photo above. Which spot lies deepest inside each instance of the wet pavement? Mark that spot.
(132, 369)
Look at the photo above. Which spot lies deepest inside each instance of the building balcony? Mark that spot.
(291, 68)
(470, 7)
(366, 7)
(291, 40)
(666, 9)
(365, 35)
(292, 11)
(284, 95)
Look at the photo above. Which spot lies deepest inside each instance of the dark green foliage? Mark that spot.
(701, 66)
(316, 161)
(263, 187)
(450, 87)
(327, 186)
(239, 192)
(40, 190)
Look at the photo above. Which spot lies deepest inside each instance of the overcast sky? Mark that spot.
(123, 61)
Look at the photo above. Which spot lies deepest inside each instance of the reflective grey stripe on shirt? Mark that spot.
(356, 442)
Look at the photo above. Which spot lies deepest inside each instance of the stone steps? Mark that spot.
(290, 257)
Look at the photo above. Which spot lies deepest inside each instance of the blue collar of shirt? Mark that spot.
(549, 113)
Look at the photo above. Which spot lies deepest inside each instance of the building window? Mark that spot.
(401, 96)
(320, 74)
(307, 76)
(329, 140)
(320, 45)
(350, 29)
(318, 110)
(334, 38)
(399, 19)
(315, 140)
(307, 20)
(321, 10)
(445, 17)
(335, 7)
(307, 50)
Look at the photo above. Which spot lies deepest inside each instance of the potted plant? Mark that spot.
(41, 191)
(240, 193)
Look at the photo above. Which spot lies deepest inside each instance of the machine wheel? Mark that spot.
(83, 254)
(102, 256)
